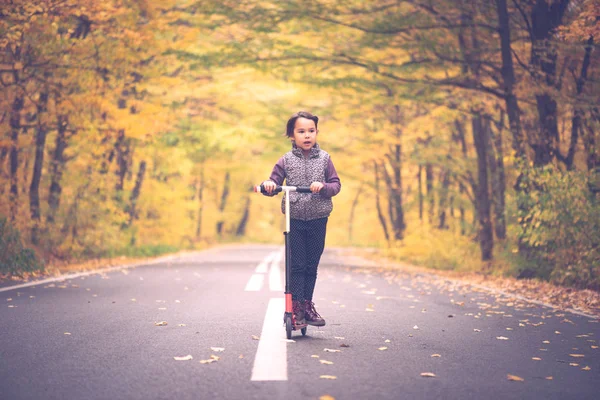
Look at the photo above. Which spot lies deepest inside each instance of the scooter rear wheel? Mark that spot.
(288, 327)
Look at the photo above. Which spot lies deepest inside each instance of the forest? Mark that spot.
(466, 133)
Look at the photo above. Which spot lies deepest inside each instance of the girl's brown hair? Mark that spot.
(292, 121)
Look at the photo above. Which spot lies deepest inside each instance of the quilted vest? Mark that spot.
(301, 171)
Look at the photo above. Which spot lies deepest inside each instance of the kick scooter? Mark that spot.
(288, 317)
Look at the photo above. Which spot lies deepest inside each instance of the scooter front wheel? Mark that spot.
(288, 327)
(303, 330)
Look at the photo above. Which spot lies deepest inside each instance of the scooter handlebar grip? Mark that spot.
(261, 189)
(303, 189)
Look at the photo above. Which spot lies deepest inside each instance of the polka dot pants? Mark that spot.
(307, 241)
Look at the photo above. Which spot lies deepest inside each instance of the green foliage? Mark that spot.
(141, 251)
(561, 230)
(14, 257)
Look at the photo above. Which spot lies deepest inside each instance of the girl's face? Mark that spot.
(305, 134)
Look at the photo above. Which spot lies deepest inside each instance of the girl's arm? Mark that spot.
(277, 175)
(332, 184)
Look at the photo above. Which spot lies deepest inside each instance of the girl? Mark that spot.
(305, 165)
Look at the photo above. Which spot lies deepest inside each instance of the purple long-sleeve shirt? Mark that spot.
(331, 186)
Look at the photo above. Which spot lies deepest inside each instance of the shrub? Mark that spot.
(14, 257)
(562, 228)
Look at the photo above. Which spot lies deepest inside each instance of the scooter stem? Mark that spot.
(287, 210)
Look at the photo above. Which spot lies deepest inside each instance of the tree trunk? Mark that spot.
(122, 148)
(34, 189)
(576, 123)
(592, 154)
(352, 211)
(57, 166)
(200, 202)
(378, 204)
(460, 137)
(430, 196)
(15, 128)
(241, 229)
(420, 177)
(485, 235)
(135, 194)
(545, 18)
(396, 163)
(508, 80)
(498, 175)
(443, 201)
(223, 203)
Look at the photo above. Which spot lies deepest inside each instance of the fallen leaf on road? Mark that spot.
(344, 345)
(382, 348)
(184, 358)
(586, 368)
(161, 323)
(546, 342)
(549, 378)
(501, 338)
(314, 356)
(254, 337)
(435, 355)
(339, 337)
(536, 358)
(332, 350)
(577, 355)
(68, 333)
(428, 374)
(515, 378)
(182, 325)
(326, 397)
(162, 308)
(594, 347)
(557, 332)
(476, 330)
(574, 364)
(328, 377)
(217, 349)
(326, 362)
(388, 341)
(210, 360)
(369, 309)
(415, 327)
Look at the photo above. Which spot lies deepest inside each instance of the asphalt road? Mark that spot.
(96, 336)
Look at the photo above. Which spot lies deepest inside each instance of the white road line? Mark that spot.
(263, 267)
(275, 282)
(255, 283)
(270, 362)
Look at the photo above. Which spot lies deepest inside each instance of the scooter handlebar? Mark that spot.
(299, 189)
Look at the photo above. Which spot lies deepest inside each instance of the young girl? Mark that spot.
(305, 165)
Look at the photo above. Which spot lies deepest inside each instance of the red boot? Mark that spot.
(299, 313)
(311, 314)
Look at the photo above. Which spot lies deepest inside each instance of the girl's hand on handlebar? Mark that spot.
(269, 186)
(316, 187)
